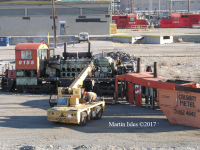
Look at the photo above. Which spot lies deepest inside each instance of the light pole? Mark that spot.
(54, 24)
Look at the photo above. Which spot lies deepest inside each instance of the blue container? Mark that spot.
(4, 41)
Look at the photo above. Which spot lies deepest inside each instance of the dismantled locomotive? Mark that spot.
(38, 70)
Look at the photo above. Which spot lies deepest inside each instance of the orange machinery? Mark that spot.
(179, 100)
(182, 105)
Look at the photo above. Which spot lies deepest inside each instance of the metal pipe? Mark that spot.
(155, 70)
(63, 69)
(88, 47)
(78, 69)
(54, 24)
(73, 74)
(64, 74)
(8, 66)
(73, 69)
(65, 47)
(2, 72)
(138, 66)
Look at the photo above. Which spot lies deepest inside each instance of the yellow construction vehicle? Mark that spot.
(70, 108)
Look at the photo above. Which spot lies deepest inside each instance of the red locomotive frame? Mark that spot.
(126, 21)
(180, 21)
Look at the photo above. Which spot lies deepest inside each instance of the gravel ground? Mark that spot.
(175, 61)
(23, 126)
(23, 123)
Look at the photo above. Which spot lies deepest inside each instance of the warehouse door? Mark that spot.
(62, 28)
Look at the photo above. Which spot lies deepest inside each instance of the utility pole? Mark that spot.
(188, 6)
(171, 6)
(125, 4)
(149, 6)
(132, 7)
(159, 8)
(54, 24)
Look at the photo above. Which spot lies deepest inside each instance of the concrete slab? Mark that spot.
(123, 39)
(156, 39)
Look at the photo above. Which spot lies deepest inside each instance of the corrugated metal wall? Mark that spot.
(39, 11)
(12, 12)
(58, 11)
(67, 11)
(144, 5)
(95, 10)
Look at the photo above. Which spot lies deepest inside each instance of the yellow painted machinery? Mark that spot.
(70, 108)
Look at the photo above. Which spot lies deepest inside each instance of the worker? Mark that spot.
(118, 63)
(89, 96)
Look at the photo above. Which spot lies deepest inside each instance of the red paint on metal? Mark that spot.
(11, 74)
(130, 93)
(26, 64)
(180, 20)
(138, 95)
(126, 21)
(29, 46)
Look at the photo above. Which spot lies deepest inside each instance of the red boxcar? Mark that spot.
(126, 21)
(180, 20)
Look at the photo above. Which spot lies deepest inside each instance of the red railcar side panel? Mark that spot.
(180, 20)
(126, 21)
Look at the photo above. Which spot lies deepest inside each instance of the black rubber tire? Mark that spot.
(99, 113)
(84, 119)
(55, 122)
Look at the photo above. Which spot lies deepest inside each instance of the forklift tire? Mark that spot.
(55, 122)
(99, 113)
(84, 119)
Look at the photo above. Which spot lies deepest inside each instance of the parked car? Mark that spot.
(83, 36)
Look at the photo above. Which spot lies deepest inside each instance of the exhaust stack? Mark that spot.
(155, 70)
(88, 47)
(138, 66)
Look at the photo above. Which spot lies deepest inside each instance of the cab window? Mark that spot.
(42, 52)
(25, 54)
(132, 18)
(62, 101)
(176, 18)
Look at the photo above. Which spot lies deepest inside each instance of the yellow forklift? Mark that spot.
(70, 108)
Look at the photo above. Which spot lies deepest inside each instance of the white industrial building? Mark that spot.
(153, 5)
(34, 18)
